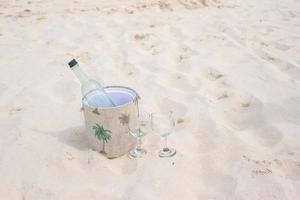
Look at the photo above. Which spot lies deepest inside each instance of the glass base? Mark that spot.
(137, 153)
(167, 152)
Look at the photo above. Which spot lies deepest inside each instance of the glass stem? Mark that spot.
(139, 143)
(166, 142)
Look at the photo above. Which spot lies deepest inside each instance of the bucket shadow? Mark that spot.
(75, 137)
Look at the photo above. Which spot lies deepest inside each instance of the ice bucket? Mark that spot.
(107, 128)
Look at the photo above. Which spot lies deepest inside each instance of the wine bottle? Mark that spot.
(92, 91)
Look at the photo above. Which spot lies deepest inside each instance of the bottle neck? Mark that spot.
(81, 75)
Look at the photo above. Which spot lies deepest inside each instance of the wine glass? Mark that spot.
(139, 126)
(163, 125)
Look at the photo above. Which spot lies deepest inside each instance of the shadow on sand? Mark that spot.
(75, 137)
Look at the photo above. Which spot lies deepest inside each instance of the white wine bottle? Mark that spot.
(92, 91)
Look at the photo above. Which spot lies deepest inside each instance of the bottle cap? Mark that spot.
(72, 63)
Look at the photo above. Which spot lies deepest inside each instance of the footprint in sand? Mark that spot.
(258, 167)
(184, 55)
(192, 4)
(244, 113)
(148, 42)
(216, 89)
(286, 167)
(183, 121)
(285, 164)
(213, 74)
(167, 105)
(165, 6)
(84, 56)
(166, 48)
(217, 93)
(179, 111)
(159, 45)
(289, 168)
(195, 4)
(237, 112)
(181, 82)
(131, 70)
(121, 63)
(183, 64)
(41, 18)
(288, 67)
(182, 51)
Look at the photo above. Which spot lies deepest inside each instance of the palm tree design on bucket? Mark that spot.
(102, 134)
(95, 111)
(136, 99)
(124, 119)
(136, 102)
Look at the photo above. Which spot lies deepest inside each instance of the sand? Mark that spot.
(229, 70)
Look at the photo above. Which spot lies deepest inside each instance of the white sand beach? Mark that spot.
(230, 71)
